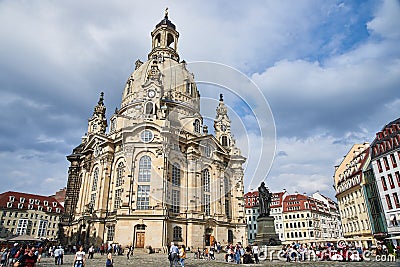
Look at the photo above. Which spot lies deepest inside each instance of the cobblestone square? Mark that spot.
(160, 260)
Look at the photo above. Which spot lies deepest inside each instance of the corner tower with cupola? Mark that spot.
(157, 175)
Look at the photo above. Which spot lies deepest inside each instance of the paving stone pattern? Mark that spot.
(160, 260)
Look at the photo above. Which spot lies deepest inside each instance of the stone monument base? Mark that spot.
(266, 234)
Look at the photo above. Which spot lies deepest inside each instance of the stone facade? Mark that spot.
(27, 214)
(349, 185)
(157, 175)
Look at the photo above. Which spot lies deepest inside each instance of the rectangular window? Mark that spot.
(117, 199)
(396, 200)
(22, 226)
(228, 208)
(397, 178)
(206, 204)
(42, 228)
(384, 183)
(175, 201)
(378, 162)
(393, 159)
(386, 162)
(391, 183)
(143, 197)
(389, 202)
(110, 233)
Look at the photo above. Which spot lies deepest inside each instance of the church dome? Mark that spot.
(162, 80)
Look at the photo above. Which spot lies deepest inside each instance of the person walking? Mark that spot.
(91, 252)
(56, 255)
(79, 260)
(109, 261)
(27, 260)
(102, 249)
(182, 255)
(255, 253)
(173, 255)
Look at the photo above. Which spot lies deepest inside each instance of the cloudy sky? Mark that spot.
(330, 71)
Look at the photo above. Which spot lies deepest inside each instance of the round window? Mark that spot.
(146, 136)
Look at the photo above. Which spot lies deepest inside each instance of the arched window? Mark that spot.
(157, 40)
(120, 173)
(196, 125)
(95, 179)
(206, 180)
(224, 140)
(144, 169)
(149, 108)
(177, 233)
(176, 174)
(170, 41)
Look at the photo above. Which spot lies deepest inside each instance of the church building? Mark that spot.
(156, 175)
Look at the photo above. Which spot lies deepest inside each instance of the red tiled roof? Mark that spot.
(29, 199)
(251, 199)
(277, 197)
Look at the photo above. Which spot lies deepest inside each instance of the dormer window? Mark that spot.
(58, 210)
(46, 203)
(31, 201)
(48, 209)
(40, 208)
(11, 198)
(37, 201)
(9, 204)
(30, 207)
(54, 204)
(20, 205)
(21, 199)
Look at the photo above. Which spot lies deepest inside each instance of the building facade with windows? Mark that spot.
(251, 208)
(349, 185)
(331, 226)
(277, 212)
(27, 214)
(157, 175)
(308, 220)
(385, 160)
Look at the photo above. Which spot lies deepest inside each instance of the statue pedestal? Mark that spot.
(267, 239)
(266, 234)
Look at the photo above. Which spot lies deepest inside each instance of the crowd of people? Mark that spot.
(21, 255)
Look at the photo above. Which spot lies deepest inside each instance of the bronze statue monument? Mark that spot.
(266, 234)
(264, 200)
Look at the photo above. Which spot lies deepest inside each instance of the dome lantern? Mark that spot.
(164, 40)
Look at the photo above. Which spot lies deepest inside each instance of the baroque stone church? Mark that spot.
(156, 175)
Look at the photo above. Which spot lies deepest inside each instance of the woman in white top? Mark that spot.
(79, 260)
